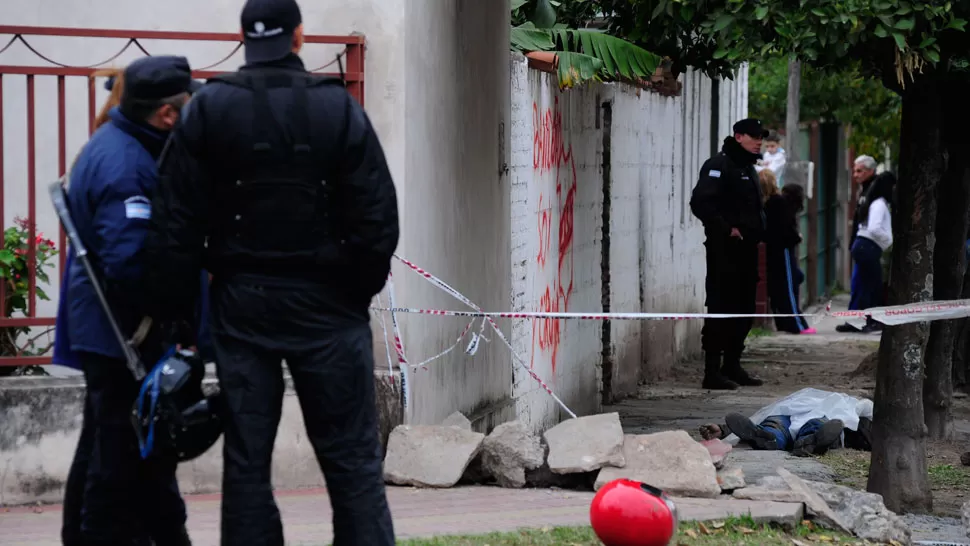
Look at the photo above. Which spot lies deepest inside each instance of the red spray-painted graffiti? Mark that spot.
(551, 154)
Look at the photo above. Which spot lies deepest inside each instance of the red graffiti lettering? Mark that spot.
(545, 229)
(551, 153)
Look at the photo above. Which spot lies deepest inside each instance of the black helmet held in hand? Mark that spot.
(173, 417)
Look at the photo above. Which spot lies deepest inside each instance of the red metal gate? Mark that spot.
(18, 354)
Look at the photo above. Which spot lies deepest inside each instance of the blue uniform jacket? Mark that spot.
(109, 199)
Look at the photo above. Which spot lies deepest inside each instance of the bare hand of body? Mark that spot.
(736, 233)
(710, 432)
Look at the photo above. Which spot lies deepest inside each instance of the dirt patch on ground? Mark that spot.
(949, 479)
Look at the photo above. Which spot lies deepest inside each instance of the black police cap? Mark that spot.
(751, 127)
(268, 27)
(155, 78)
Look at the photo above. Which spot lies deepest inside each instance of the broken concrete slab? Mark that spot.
(730, 478)
(670, 460)
(585, 444)
(457, 420)
(760, 493)
(429, 456)
(863, 513)
(780, 513)
(814, 502)
(719, 451)
(509, 451)
(965, 517)
(761, 464)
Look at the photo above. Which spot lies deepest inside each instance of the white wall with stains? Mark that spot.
(656, 146)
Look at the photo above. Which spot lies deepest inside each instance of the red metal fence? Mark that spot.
(353, 66)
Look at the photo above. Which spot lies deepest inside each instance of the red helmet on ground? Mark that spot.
(629, 513)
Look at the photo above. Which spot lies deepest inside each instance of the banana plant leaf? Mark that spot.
(586, 54)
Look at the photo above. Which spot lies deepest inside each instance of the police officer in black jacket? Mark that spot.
(727, 199)
(276, 182)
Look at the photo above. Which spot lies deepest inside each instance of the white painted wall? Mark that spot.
(456, 203)
(656, 246)
(556, 220)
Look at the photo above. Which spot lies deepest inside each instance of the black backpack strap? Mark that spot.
(301, 116)
(262, 112)
(256, 81)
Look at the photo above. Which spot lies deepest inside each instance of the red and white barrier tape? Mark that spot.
(460, 297)
(581, 316)
(399, 349)
(895, 315)
(902, 314)
(915, 312)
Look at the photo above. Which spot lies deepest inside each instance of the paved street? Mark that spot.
(306, 514)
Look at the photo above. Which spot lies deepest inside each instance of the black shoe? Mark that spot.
(717, 382)
(872, 327)
(757, 437)
(741, 377)
(821, 441)
(847, 329)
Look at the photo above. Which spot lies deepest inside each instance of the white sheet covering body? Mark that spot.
(810, 403)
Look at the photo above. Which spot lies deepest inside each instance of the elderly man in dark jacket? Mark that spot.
(727, 199)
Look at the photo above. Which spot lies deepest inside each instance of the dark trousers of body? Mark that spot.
(333, 375)
(866, 286)
(732, 282)
(780, 427)
(784, 280)
(112, 496)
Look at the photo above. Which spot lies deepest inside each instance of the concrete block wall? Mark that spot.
(557, 199)
(570, 152)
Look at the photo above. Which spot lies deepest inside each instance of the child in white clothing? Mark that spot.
(774, 157)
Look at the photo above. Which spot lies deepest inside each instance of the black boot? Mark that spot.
(820, 441)
(753, 434)
(713, 379)
(734, 372)
(847, 328)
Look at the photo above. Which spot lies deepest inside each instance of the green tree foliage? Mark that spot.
(846, 96)
(716, 35)
(583, 54)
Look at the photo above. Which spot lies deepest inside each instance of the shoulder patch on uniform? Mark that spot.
(138, 207)
(715, 174)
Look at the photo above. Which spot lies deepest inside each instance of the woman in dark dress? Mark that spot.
(781, 241)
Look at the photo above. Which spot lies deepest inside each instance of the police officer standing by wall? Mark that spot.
(727, 199)
(277, 183)
(112, 496)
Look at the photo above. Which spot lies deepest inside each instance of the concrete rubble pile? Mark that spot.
(589, 452)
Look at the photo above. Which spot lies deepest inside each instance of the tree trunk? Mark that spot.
(898, 469)
(792, 112)
(949, 262)
(961, 345)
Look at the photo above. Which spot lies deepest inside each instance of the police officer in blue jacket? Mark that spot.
(125, 500)
(277, 184)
